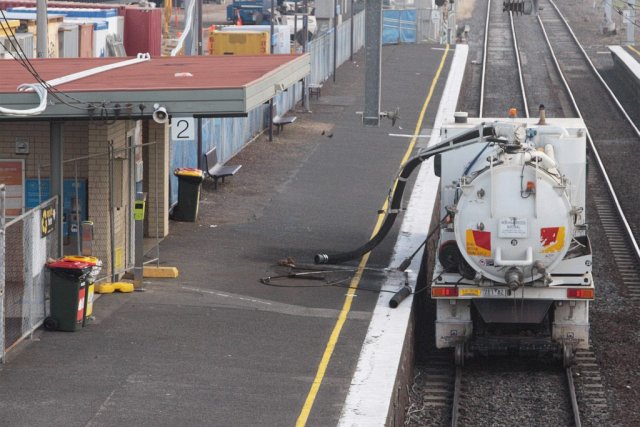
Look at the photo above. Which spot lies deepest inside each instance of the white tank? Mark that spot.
(514, 214)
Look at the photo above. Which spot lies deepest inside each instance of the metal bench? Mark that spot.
(215, 170)
(315, 89)
(280, 121)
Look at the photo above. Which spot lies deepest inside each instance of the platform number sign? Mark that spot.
(183, 129)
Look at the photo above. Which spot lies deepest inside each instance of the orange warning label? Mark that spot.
(478, 243)
(552, 239)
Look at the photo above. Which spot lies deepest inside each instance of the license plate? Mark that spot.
(496, 292)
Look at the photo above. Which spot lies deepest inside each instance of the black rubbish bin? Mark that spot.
(189, 182)
(68, 295)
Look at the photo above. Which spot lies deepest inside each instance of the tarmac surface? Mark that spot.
(215, 346)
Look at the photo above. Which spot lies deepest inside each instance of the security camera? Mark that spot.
(160, 114)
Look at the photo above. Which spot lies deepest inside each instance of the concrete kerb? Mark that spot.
(370, 397)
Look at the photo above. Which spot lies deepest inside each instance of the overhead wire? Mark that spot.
(24, 61)
(621, 12)
(52, 90)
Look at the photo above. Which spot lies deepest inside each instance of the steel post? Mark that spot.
(2, 269)
(138, 269)
(335, 38)
(42, 29)
(57, 184)
(373, 42)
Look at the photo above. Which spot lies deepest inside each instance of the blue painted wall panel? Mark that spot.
(399, 26)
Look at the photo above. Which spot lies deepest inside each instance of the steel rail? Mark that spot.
(484, 63)
(484, 59)
(592, 145)
(520, 76)
(457, 388)
(574, 399)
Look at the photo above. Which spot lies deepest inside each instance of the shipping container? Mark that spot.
(8, 27)
(282, 35)
(68, 40)
(28, 24)
(238, 43)
(143, 31)
(8, 48)
(7, 4)
(86, 41)
(105, 22)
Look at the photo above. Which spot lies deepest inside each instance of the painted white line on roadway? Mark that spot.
(220, 294)
(406, 135)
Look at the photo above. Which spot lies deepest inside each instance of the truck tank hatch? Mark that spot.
(512, 310)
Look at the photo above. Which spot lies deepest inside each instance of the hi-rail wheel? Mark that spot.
(458, 355)
(568, 356)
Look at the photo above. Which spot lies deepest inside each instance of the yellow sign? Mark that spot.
(47, 220)
(119, 259)
(469, 292)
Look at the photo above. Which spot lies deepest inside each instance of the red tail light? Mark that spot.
(444, 292)
(580, 293)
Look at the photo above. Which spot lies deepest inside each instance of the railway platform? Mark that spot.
(626, 60)
(218, 347)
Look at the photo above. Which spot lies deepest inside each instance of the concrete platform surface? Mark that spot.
(215, 346)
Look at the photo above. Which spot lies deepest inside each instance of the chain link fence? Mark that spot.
(321, 48)
(25, 248)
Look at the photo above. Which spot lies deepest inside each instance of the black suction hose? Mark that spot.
(396, 197)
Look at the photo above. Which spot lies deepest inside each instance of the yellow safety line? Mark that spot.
(355, 281)
(633, 49)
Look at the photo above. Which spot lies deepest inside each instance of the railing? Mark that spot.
(321, 48)
(23, 284)
(230, 135)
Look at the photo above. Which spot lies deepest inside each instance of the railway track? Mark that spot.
(614, 141)
(557, 72)
(548, 73)
(501, 85)
(523, 394)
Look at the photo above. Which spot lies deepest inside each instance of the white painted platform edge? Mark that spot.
(626, 58)
(369, 398)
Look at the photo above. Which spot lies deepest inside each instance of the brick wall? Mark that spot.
(156, 178)
(101, 136)
(91, 139)
(37, 134)
(98, 187)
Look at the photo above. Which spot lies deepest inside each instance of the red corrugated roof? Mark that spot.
(207, 72)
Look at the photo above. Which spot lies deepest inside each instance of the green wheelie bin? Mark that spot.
(69, 287)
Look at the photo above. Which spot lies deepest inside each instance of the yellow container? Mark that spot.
(89, 310)
(8, 28)
(239, 43)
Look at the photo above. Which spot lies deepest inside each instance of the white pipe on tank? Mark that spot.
(547, 161)
(550, 151)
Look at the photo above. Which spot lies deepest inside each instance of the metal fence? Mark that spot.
(24, 252)
(429, 25)
(321, 48)
(230, 135)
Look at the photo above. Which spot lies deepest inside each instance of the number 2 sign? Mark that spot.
(183, 129)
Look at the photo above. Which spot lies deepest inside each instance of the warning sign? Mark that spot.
(478, 243)
(552, 239)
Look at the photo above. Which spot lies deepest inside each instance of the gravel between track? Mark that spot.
(615, 329)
